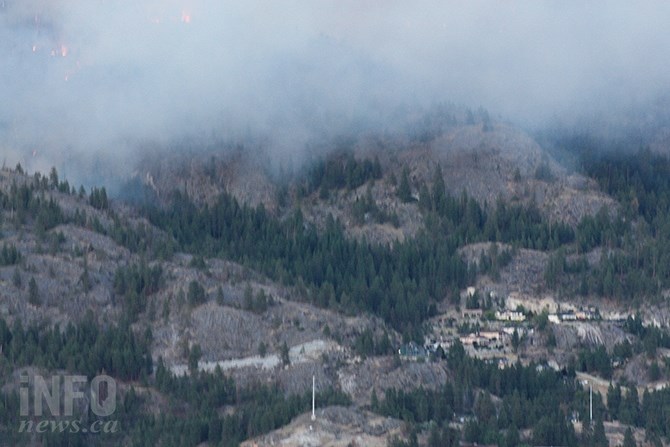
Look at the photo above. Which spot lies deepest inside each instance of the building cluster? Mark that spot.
(484, 339)
(493, 330)
(510, 315)
(588, 314)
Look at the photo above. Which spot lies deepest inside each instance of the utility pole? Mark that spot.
(591, 402)
(584, 382)
(313, 398)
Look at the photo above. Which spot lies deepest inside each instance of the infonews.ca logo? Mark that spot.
(67, 404)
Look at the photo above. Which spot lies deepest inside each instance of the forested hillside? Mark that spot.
(162, 267)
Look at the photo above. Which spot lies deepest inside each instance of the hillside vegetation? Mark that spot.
(220, 289)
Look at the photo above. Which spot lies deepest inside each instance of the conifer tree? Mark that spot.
(404, 191)
(33, 292)
(629, 439)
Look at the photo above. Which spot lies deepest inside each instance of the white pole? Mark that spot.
(313, 397)
(591, 402)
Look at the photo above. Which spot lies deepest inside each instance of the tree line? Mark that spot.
(495, 406)
(635, 262)
(396, 282)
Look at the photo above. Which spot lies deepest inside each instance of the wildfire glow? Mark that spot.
(61, 51)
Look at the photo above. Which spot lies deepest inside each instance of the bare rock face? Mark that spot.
(570, 337)
(524, 275)
(380, 373)
(334, 427)
(340, 206)
(508, 164)
(225, 331)
(204, 175)
(505, 146)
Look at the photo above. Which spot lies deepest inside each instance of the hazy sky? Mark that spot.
(92, 76)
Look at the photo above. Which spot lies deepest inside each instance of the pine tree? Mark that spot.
(613, 400)
(629, 439)
(16, 278)
(374, 400)
(85, 278)
(425, 199)
(404, 191)
(629, 410)
(439, 190)
(262, 349)
(599, 437)
(260, 304)
(53, 178)
(194, 357)
(248, 298)
(33, 292)
(284, 354)
(196, 293)
(219, 296)
(654, 372)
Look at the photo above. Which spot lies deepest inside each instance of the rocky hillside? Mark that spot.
(255, 297)
(489, 162)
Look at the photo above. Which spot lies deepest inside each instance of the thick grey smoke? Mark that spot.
(81, 77)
